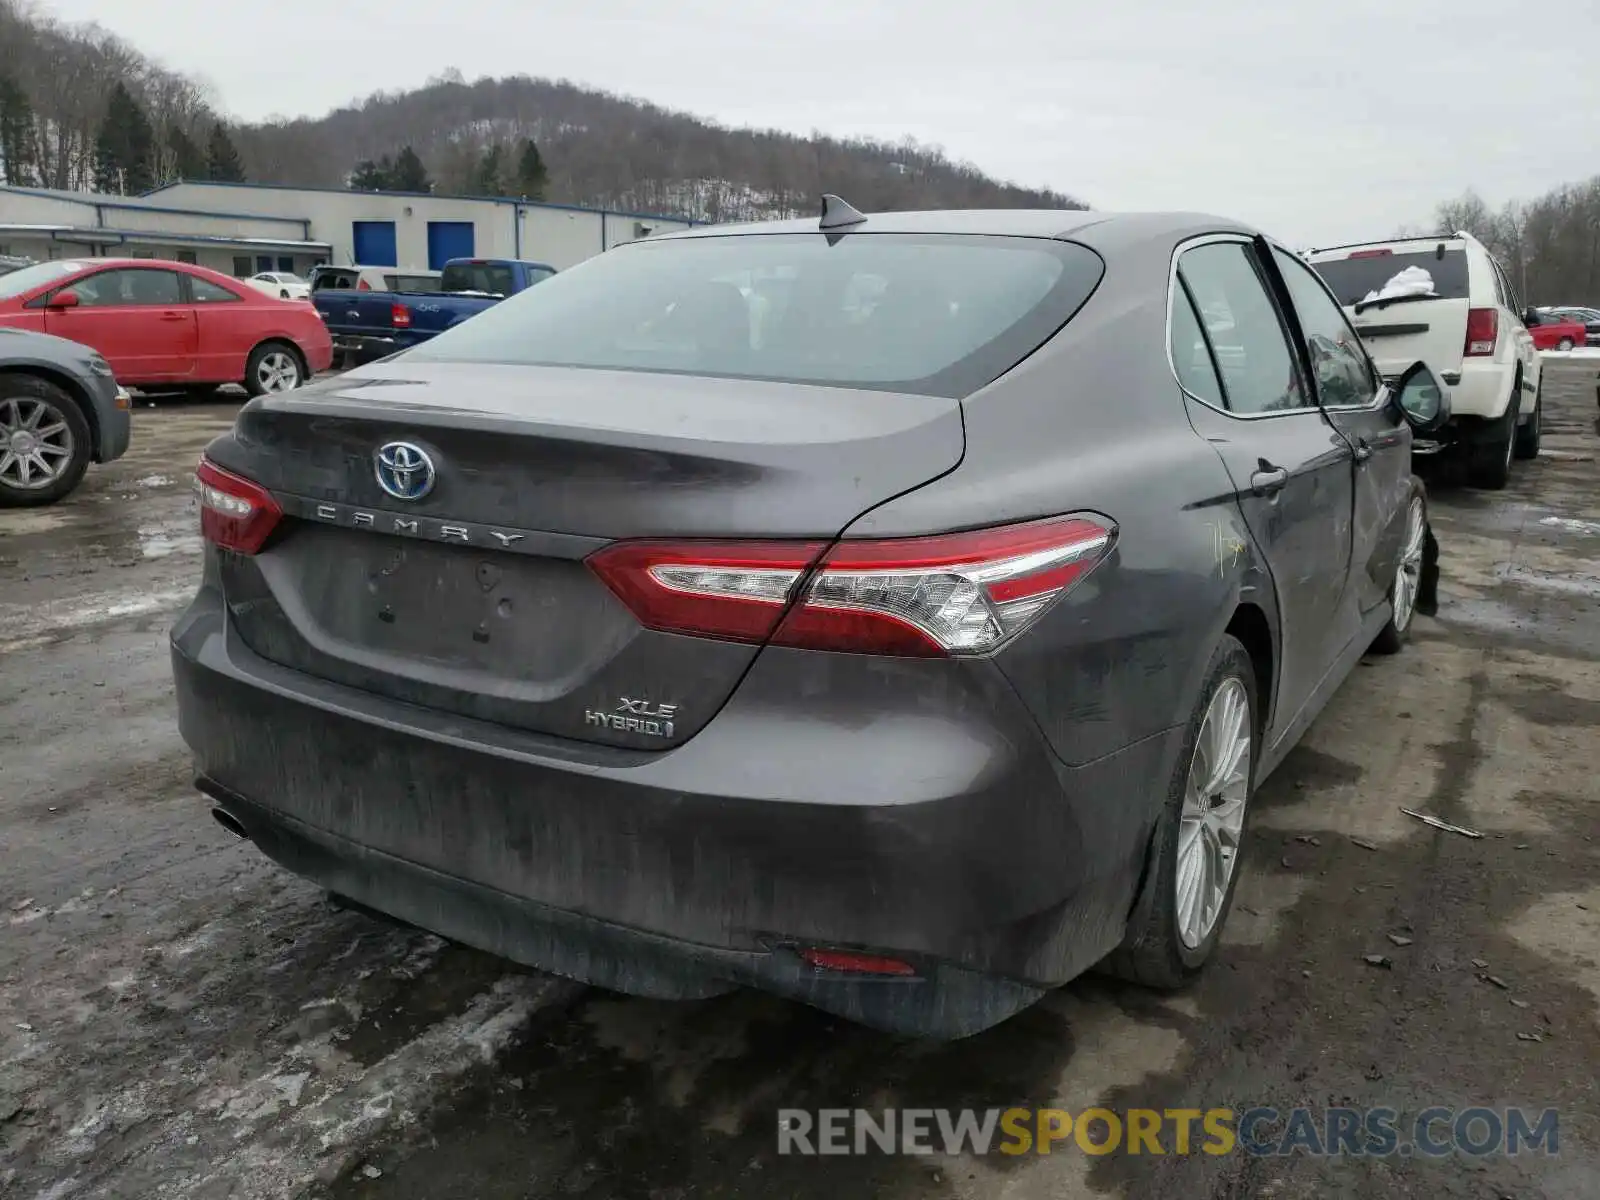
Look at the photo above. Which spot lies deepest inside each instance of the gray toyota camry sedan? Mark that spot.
(895, 613)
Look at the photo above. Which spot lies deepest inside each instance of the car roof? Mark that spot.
(1099, 230)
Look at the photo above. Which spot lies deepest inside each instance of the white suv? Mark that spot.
(1446, 301)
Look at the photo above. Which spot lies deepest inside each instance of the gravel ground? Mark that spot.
(179, 1018)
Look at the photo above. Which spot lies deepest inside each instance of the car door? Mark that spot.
(134, 316)
(1291, 469)
(1352, 395)
(225, 326)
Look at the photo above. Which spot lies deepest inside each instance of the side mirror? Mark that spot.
(65, 299)
(1531, 317)
(1422, 398)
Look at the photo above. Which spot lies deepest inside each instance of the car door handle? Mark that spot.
(1363, 450)
(1269, 481)
(174, 316)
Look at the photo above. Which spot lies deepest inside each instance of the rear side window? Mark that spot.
(489, 278)
(929, 314)
(1247, 338)
(1365, 271)
(1191, 357)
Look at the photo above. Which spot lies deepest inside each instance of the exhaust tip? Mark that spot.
(231, 823)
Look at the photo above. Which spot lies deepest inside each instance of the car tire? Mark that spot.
(1408, 582)
(30, 403)
(1528, 435)
(1489, 466)
(1564, 344)
(274, 367)
(283, 294)
(1164, 946)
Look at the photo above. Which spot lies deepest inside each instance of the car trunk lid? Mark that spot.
(474, 597)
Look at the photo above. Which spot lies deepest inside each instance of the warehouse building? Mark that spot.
(243, 228)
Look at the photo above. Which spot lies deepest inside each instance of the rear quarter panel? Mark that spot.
(229, 332)
(1096, 422)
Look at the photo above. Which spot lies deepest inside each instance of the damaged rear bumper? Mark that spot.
(978, 858)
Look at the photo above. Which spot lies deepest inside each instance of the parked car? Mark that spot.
(906, 661)
(10, 262)
(282, 284)
(369, 324)
(1555, 331)
(60, 409)
(1590, 318)
(169, 324)
(373, 279)
(1445, 300)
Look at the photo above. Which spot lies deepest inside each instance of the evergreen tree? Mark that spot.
(124, 150)
(409, 175)
(18, 150)
(370, 176)
(532, 175)
(222, 157)
(188, 160)
(486, 177)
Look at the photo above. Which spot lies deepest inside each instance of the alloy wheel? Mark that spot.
(1408, 576)
(278, 372)
(1214, 800)
(36, 443)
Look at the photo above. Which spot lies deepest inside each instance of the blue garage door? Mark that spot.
(374, 244)
(447, 240)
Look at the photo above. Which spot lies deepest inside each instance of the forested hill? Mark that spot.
(614, 152)
(82, 109)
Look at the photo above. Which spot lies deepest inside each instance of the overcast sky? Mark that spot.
(1319, 121)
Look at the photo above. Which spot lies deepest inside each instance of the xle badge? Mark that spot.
(635, 716)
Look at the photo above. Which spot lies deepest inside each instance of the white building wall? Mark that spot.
(161, 221)
(622, 228)
(562, 237)
(333, 215)
(558, 236)
(21, 208)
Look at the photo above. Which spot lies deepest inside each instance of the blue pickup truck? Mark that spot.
(368, 324)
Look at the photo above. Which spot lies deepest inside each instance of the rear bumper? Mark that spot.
(992, 868)
(1484, 390)
(372, 346)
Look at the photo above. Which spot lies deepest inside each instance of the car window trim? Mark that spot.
(1173, 279)
(1379, 383)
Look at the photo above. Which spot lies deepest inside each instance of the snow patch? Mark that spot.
(1413, 281)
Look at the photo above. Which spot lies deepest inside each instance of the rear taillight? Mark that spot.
(399, 316)
(1483, 330)
(363, 286)
(235, 514)
(960, 593)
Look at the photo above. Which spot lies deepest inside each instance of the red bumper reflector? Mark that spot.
(856, 964)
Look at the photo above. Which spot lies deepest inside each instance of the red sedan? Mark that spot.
(1556, 332)
(167, 323)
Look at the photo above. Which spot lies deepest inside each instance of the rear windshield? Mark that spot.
(324, 280)
(493, 279)
(1353, 278)
(937, 315)
(412, 283)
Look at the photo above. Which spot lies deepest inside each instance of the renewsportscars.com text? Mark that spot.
(1375, 1132)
